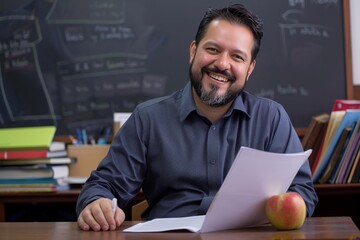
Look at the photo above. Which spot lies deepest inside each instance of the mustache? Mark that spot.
(228, 75)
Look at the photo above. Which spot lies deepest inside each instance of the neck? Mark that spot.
(211, 113)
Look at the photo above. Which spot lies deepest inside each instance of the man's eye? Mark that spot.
(212, 50)
(238, 58)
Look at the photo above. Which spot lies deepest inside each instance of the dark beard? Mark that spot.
(209, 97)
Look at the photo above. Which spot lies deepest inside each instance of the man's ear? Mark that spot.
(192, 51)
(251, 69)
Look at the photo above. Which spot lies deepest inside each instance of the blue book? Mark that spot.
(350, 118)
(29, 181)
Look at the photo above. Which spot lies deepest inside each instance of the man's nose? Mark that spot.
(223, 61)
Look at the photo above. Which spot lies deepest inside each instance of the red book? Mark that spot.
(29, 154)
(345, 104)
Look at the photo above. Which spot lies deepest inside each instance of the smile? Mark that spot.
(217, 77)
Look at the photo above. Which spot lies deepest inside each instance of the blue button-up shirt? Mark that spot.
(180, 158)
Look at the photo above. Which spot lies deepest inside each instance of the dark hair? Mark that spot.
(235, 13)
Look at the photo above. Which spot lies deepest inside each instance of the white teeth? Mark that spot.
(217, 77)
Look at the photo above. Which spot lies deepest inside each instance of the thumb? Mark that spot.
(119, 216)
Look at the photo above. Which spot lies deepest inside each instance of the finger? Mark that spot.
(107, 211)
(119, 216)
(82, 224)
(87, 221)
(99, 213)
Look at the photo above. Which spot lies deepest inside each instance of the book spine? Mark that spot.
(343, 171)
(356, 175)
(344, 104)
(4, 155)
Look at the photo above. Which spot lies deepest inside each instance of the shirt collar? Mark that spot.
(239, 105)
(187, 104)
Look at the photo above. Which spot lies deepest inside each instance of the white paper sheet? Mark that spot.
(240, 202)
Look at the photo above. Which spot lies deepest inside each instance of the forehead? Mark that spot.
(229, 33)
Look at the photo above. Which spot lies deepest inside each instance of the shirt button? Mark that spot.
(213, 128)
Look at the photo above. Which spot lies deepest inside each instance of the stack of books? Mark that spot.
(31, 161)
(336, 158)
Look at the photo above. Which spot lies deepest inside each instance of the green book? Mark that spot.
(27, 137)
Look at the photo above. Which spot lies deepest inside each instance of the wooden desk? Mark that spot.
(334, 200)
(314, 228)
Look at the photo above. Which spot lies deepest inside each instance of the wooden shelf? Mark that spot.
(337, 189)
(54, 198)
(334, 200)
(338, 200)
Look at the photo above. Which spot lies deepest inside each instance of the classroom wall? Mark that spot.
(290, 82)
(354, 8)
(355, 39)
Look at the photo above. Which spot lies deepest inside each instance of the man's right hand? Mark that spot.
(98, 216)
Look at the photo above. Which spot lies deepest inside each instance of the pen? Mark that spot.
(79, 137)
(73, 140)
(107, 134)
(114, 205)
(84, 135)
(104, 140)
(92, 140)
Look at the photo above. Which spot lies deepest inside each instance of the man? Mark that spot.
(179, 148)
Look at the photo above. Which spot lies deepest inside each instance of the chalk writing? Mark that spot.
(282, 89)
(294, 3)
(95, 33)
(19, 69)
(87, 12)
(21, 31)
(101, 65)
(305, 30)
(267, 93)
(302, 3)
(296, 29)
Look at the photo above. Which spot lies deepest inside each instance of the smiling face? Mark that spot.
(221, 62)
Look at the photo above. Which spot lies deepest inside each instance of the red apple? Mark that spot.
(286, 211)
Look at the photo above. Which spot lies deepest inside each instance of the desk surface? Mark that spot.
(314, 228)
